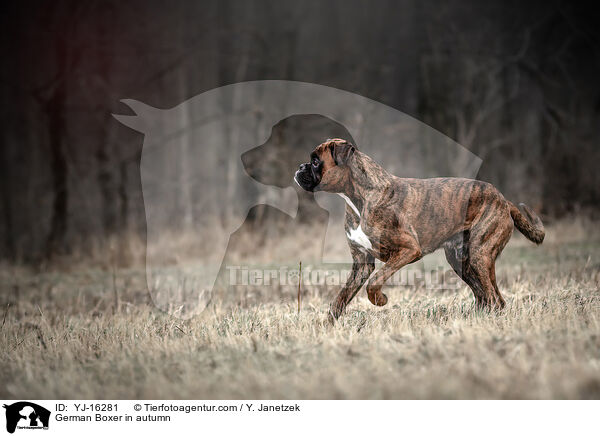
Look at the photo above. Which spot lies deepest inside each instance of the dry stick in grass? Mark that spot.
(299, 285)
(117, 306)
(180, 329)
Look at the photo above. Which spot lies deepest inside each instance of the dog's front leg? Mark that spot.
(362, 267)
(396, 261)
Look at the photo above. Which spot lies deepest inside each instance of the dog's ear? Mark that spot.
(341, 152)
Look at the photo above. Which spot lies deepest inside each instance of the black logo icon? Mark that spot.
(26, 415)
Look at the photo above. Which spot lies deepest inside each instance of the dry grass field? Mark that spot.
(66, 334)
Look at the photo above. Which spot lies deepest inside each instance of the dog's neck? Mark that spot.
(367, 177)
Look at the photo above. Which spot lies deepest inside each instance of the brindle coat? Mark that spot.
(400, 220)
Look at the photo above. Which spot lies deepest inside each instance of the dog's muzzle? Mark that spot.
(305, 178)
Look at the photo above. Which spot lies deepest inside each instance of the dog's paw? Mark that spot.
(378, 298)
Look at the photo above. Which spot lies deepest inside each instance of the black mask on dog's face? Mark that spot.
(308, 175)
(327, 169)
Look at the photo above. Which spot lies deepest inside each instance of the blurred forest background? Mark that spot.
(514, 82)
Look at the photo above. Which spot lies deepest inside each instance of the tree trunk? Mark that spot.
(55, 109)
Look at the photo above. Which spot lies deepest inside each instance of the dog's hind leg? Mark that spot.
(483, 259)
(475, 266)
(488, 238)
(362, 267)
(456, 250)
(482, 273)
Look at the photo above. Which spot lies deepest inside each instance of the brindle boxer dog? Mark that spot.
(399, 220)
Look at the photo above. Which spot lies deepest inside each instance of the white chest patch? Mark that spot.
(354, 208)
(358, 236)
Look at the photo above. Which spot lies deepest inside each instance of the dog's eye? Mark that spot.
(315, 162)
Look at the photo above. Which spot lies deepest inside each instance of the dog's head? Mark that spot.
(328, 167)
(290, 141)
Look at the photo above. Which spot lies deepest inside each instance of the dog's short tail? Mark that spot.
(528, 223)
